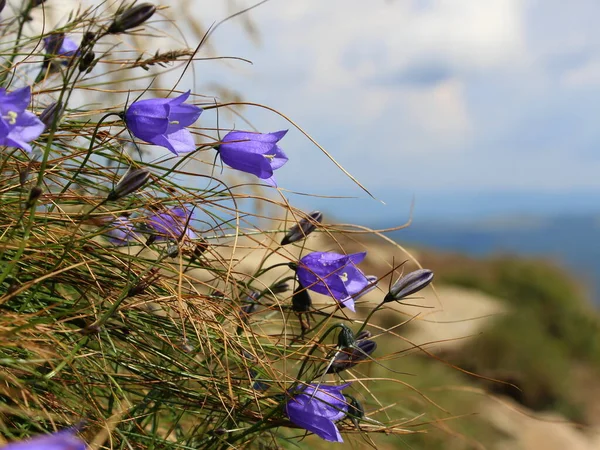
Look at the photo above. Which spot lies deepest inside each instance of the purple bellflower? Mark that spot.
(318, 411)
(122, 231)
(171, 224)
(63, 440)
(162, 121)
(333, 274)
(59, 45)
(254, 153)
(18, 127)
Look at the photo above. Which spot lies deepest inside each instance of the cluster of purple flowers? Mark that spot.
(164, 122)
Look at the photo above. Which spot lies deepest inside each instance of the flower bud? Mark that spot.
(301, 301)
(409, 284)
(131, 18)
(364, 334)
(131, 182)
(350, 356)
(280, 288)
(88, 38)
(303, 228)
(51, 113)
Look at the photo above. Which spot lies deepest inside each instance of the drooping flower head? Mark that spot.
(333, 274)
(18, 127)
(171, 224)
(162, 121)
(255, 153)
(63, 440)
(318, 411)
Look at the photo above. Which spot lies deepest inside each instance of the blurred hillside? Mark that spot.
(504, 353)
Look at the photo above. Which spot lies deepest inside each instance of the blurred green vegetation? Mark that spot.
(535, 354)
(550, 334)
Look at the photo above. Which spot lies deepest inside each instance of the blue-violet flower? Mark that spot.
(122, 231)
(18, 127)
(318, 411)
(60, 45)
(333, 274)
(171, 224)
(63, 440)
(162, 121)
(254, 153)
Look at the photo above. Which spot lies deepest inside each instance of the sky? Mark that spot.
(462, 108)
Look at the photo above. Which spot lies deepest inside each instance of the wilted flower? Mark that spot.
(162, 121)
(409, 284)
(303, 228)
(60, 45)
(48, 115)
(63, 440)
(18, 127)
(131, 18)
(317, 408)
(350, 356)
(255, 153)
(131, 182)
(333, 274)
(121, 231)
(171, 224)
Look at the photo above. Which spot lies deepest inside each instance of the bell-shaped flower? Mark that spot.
(60, 45)
(333, 274)
(162, 121)
(18, 127)
(255, 153)
(121, 232)
(172, 224)
(317, 408)
(63, 440)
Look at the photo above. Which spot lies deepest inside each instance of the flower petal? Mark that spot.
(253, 163)
(180, 141)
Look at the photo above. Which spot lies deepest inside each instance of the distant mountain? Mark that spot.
(573, 241)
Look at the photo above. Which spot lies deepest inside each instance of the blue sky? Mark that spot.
(421, 98)
(471, 107)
